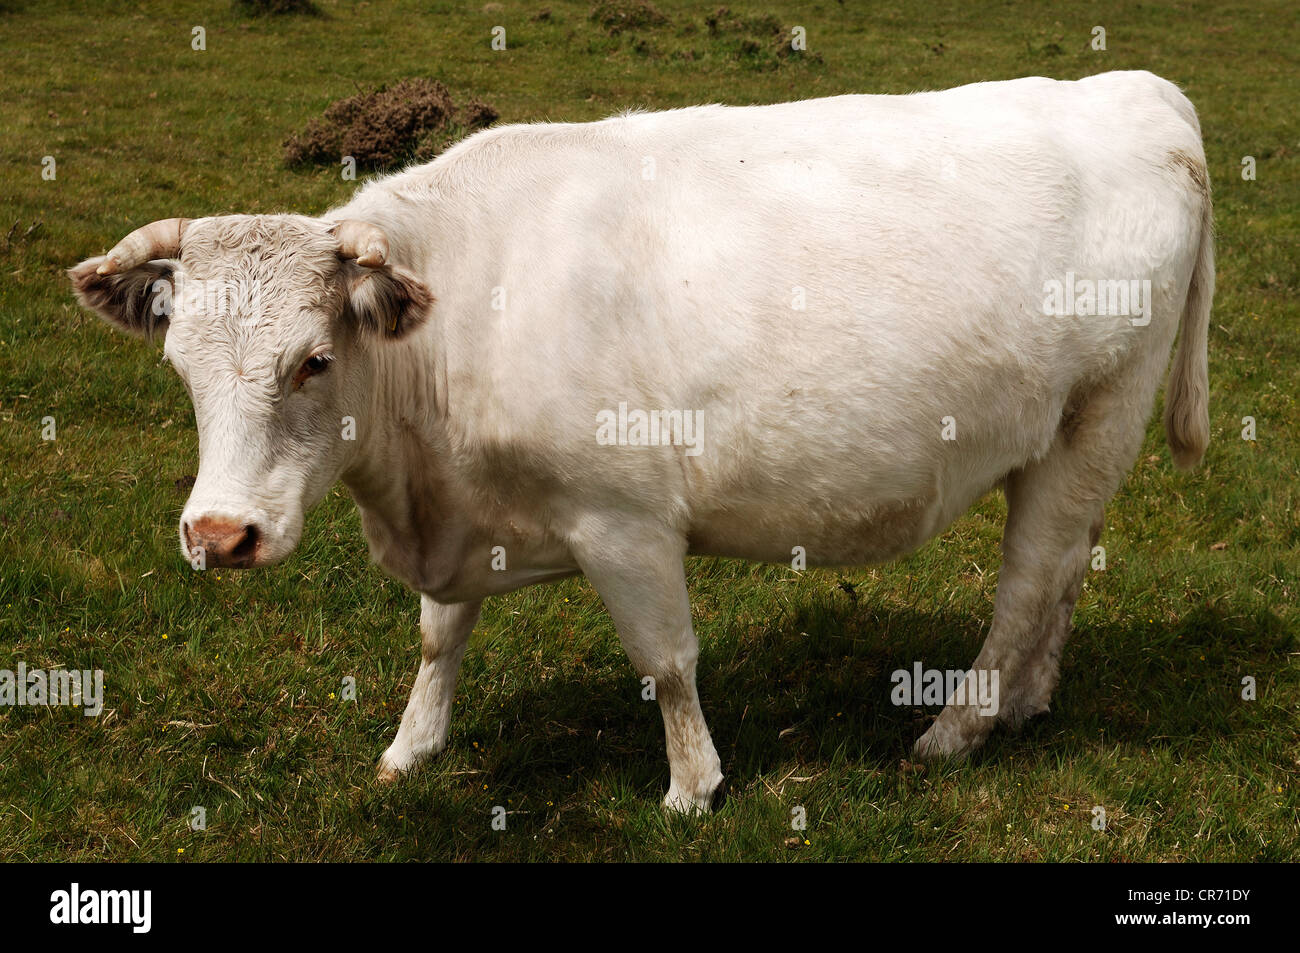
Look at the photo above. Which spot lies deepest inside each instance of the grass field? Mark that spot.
(223, 689)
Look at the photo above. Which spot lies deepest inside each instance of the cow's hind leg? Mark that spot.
(444, 633)
(1034, 693)
(1054, 511)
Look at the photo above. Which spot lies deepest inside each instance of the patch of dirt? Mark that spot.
(760, 41)
(615, 16)
(722, 21)
(260, 8)
(413, 120)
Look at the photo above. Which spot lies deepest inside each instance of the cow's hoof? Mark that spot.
(683, 803)
(389, 768)
(720, 795)
(1014, 716)
(941, 742)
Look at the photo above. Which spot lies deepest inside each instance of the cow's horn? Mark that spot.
(161, 239)
(360, 240)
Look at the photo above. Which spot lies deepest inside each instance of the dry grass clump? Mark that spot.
(412, 120)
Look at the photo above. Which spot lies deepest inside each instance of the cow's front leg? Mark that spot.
(444, 634)
(639, 576)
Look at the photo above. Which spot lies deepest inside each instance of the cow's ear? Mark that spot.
(137, 300)
(386, 300)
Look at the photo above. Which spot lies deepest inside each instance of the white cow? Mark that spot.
(598, 348)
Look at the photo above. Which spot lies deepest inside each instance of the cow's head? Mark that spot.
(271, 321)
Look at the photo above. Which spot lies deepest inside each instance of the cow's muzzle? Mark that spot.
(215, 541)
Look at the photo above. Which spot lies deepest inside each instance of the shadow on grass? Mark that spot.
(817, 687)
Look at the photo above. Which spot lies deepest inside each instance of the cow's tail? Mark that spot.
(1187, 398)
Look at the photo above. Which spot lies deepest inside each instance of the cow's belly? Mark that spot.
(474, 582)
(854, 535)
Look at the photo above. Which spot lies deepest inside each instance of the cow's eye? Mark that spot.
(316, 364)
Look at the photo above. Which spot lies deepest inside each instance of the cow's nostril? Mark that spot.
(247, 545)
(222, 542)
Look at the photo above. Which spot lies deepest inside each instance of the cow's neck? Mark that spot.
(397, 472)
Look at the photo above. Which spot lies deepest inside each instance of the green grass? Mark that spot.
(223, 687)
